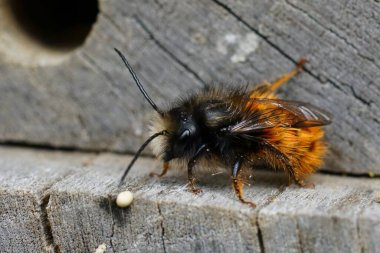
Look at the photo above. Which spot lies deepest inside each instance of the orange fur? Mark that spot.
(304, 147)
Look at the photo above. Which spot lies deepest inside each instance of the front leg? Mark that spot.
(238, 183)
(190, 177)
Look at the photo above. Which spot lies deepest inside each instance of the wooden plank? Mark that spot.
(25, 177)
(164, 216)
(63, 202)
(369, 226)
(325, 219)
(88, 100)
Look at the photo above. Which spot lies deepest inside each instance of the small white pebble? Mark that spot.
(101, 249)
(124, 199)
(377, 199)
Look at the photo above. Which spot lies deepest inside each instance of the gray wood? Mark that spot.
(86, 99)
(328, 218)
(369, 226)
(25, 178)
(164, 216)
(63, 202)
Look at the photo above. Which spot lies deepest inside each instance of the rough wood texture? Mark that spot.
(62, 202)
(86, 99)
(25, 177)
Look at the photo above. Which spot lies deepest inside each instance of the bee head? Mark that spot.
(183, 132)
(177, 128)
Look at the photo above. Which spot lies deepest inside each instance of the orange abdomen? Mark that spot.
(304, 147)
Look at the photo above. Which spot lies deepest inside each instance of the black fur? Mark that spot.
(205, 119)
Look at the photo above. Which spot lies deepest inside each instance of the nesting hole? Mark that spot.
(44, 30)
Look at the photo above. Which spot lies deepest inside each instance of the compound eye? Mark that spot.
(184, 134)
(183, 116)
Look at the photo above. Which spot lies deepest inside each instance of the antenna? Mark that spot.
(137, 81)
(138, 154)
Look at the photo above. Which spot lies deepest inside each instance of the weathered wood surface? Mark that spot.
(25, 177)
(62, 202)
(86, 99)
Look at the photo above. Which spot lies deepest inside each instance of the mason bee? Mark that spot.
(238, 130)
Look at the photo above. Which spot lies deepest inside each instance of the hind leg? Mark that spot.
(267, 89)
(238, 183)
(303, 184)
(287, 76)
(298, 179)
(165, 168)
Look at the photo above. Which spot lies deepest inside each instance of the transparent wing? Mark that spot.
(269, 113)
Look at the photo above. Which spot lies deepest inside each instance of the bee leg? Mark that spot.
(299, 180)
(190, 177)
(239, 184)
(287, 76)
(303, 184)
(165, 169)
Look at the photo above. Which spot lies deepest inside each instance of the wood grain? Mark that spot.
(88, 100)
(64, 202)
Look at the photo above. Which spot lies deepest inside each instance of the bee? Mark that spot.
(238, 130)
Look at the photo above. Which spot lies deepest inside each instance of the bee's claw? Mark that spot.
(192, 188)
(251, 204)
(196, 190)
(301, 62)
(154, 174)
(303, 184)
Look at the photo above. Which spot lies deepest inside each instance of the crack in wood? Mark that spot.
(46, 226)
(356, 95)
(282, 52)
(317, 22)
(271, 44)
(260, 235)
(162, 226)
(98, 70)
(167, 51)
(268, 202)
(110, 203)
(361, 243)
(298, 233)
(48, 146)
(334, 33)
(44, 218)
(353, 175)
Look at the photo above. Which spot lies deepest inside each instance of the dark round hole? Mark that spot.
(56, 24)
